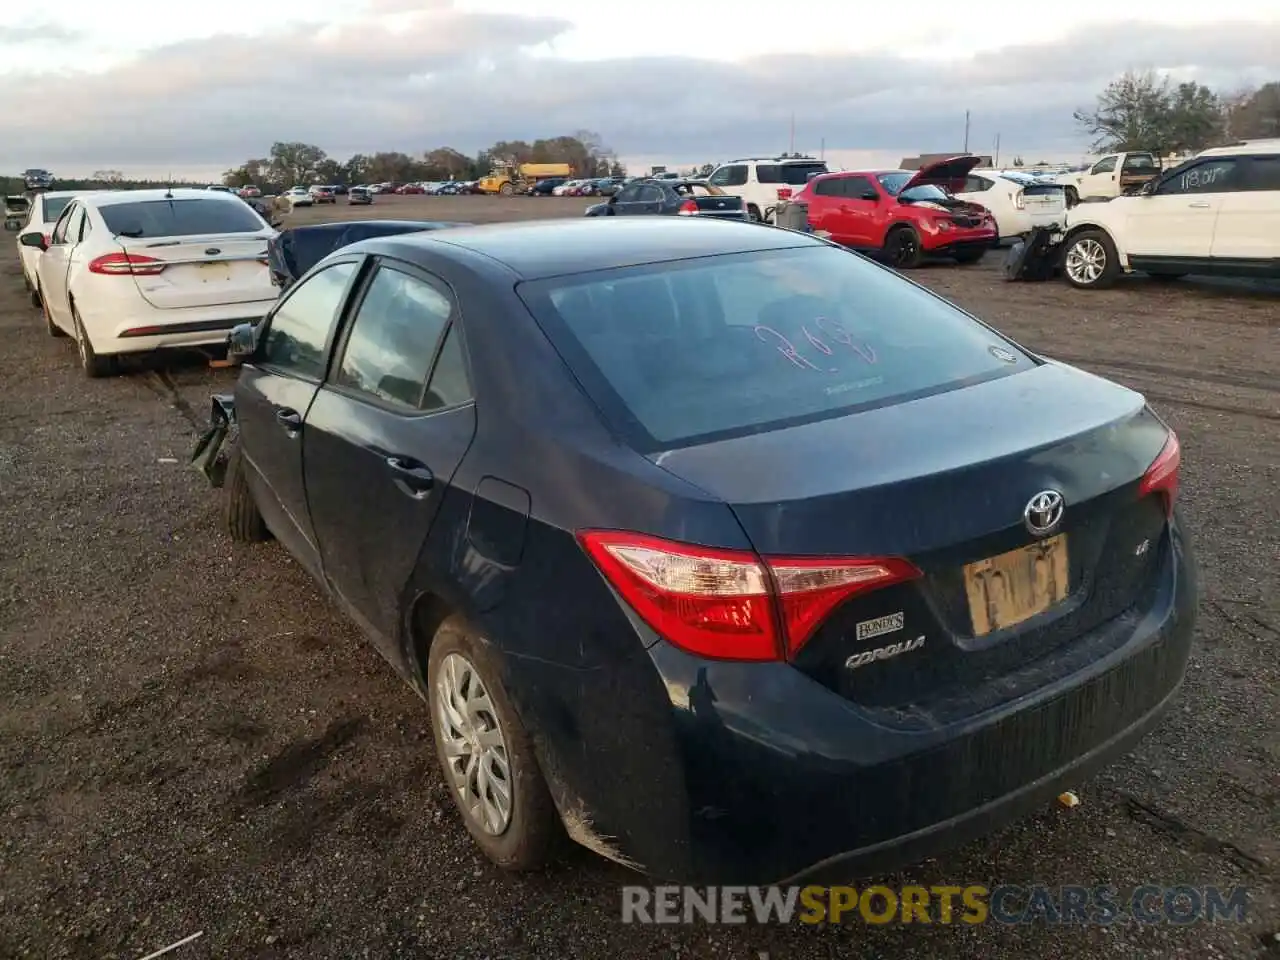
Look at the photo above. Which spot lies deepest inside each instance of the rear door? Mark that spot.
(1248, 224)
(274, 394)
(208, 251)
(857, 213)
(384, 437)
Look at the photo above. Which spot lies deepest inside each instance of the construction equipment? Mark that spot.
(509, 177)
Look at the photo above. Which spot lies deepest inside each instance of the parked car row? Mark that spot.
(134, 271)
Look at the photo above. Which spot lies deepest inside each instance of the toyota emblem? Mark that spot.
(1043, 513)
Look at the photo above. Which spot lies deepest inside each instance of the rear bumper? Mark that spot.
(715, 772)
(141, 330)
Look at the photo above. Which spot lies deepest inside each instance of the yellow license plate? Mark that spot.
(1015, 586)
(215, 271)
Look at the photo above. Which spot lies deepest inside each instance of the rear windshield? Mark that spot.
(682, 353)
(179, 218)
(53, 207)
(798, 174)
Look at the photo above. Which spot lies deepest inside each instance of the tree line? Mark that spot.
(1142, 110)
(293, 163)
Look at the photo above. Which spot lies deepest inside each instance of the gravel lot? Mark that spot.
(192, 739)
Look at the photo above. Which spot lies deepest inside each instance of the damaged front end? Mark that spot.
(209, 456)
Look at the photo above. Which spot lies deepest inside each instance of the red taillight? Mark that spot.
(125, 265)
(688, 208)
(784, 193)
(1162, 476)
(728, 604)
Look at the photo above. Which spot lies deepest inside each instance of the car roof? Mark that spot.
(538, 249)
(1270, 145)
(113, 197)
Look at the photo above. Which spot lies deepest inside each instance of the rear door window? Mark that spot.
(179, 218)
(678, 354)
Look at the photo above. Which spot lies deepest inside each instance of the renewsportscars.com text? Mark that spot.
(969, 904)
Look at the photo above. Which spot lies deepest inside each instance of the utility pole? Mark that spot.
(793, 134)
(996, 164)
(822, 149)
(966, 131)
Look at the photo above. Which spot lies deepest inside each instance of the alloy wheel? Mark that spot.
(474, 745)
(1086, 261)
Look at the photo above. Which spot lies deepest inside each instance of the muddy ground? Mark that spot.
(193, 740)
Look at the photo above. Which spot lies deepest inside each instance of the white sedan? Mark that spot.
(45, 210)
(1018, 201)
(143, 270)
(299, 197)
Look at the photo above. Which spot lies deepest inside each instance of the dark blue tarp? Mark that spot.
(297, 250)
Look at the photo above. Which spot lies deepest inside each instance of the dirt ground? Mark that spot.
(193, 740)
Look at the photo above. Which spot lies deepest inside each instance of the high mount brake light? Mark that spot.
(126, 265)
(733, 604)
(1161, 477)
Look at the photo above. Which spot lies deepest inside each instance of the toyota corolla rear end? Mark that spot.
(175, 273)
(964, 584)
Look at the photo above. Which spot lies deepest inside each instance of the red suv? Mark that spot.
(904, 215)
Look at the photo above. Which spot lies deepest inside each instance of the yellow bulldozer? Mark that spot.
(511, 178)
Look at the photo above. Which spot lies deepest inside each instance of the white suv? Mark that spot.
(757, 179)
(1216, 214)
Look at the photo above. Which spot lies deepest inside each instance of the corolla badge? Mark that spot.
(212, 252)
(887, 652)
(1043, 512)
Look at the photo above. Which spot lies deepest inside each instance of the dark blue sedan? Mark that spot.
(730, 553)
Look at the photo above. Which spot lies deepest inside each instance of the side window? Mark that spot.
(767, 173)
(299, 327)
(449, 384)
(629, 193)
(86, 226)
(1212, 176)
(737, 176)
(60, 228)
(393, 338)
(720, 177)
(855, 187)
(1263, 173)
(1105, 165)
(974, 184)
(830, 187)
(650, 193)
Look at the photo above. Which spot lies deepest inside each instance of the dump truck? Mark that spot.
(510, 178)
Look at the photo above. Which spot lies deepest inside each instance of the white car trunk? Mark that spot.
(202, 271)
(1045, 202)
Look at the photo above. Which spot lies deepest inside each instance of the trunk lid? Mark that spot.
(1044, 201)
(203, 271)
(720, 206)
(951, 496)
(949, 174)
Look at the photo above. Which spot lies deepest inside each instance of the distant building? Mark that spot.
(915, 163)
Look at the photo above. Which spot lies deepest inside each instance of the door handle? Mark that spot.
(290, 419)
(1201, 204)
(412, 477)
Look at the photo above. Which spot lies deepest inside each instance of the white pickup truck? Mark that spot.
(1115, 175)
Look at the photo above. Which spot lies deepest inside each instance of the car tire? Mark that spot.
(506, 189)
(523, 833)
(902, 248)
(93, 365)
(754, 213)
(241, 517)
(1090, 261)
(967, 257)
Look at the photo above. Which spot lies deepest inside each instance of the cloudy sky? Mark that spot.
(150, 87)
